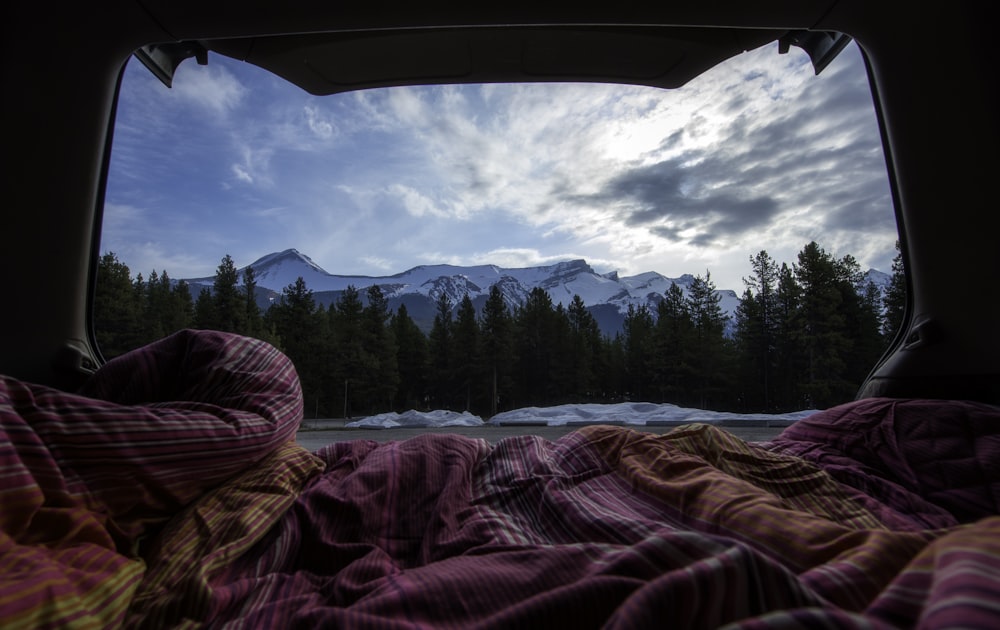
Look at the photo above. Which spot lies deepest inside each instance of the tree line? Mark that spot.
(804, 335)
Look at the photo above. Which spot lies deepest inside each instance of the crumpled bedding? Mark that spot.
(169, 493)
(933, 463)
(90, 479)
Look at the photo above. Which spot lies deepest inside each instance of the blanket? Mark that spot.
(90, 479)
(169, 493)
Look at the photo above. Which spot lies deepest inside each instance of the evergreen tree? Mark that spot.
(465, 353)
(895, 297)
(637, 342)
(204, 310)
(860, 310)
(708, 359)
(440, 349)
(563, 375)
(116, 309)
(253, 322)
(789, 365)
(497, 353)
(587, 357)
(411, 360)
(230, 306)
(175, 311)
(820, 334)
(182, 305)
(380, 343)
(535, 330)
(672, 346)
(757, 329)
(616, 378)
(155, 302)
(300, 326)
(752, 377)
(353, 364)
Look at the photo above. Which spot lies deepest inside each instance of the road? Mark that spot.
(315, 439)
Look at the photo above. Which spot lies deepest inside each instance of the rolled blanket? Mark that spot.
(89, 475)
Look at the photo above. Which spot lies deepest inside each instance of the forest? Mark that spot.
(805, 336)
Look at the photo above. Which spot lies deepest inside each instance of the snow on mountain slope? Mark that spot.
(608, 292)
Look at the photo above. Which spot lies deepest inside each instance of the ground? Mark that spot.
(313, 440)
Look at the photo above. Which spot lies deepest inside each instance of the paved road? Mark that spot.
(313, 440)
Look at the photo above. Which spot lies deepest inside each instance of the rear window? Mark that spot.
(730, 245)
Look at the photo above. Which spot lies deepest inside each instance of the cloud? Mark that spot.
(242, 174)
(254, 167)
(318, 123)
(209, 87)
(415, 203)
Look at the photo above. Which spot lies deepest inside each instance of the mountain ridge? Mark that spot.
(608, 296)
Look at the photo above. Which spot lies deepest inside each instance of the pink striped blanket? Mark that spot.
(170, 492)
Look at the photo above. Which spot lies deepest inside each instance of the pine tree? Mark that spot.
(380, 343)
(708, 360)
(860, 311)
(757, 329)
(587, 356)
(637, 342)
(753, 377)
(895, 297)
(154, 304)
(253, 324)
(563, 386)
(182, 305)
(497, 353)
(300, 325)
(116, 309)
(352, 362)
(230, 306)
(672, 346)
(440, 351)
(204, 310)
(534, 326)
(789, 365)
(411, 360)
(465, 353)
(176, 308)
(821, 334)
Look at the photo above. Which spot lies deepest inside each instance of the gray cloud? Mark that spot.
(819, 152)
(674, 196)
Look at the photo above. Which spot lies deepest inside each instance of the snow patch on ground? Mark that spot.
(631, 413)
(417, 419)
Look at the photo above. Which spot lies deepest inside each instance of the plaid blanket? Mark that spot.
(171, 496)
(90, 479)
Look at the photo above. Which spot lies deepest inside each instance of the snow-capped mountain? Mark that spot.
(608, 296)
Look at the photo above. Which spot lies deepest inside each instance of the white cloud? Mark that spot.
(211, 87)
(254, 166)
(242, 174)
(318, 123)
(416, 203)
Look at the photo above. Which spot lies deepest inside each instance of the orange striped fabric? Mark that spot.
(211, 533)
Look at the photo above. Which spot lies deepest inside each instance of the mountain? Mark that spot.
(607, 296)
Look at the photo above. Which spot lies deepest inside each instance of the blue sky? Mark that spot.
(758, 153)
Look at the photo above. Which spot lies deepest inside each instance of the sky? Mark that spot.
(757, 153)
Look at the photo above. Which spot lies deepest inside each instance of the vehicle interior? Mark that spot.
(97, 534)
